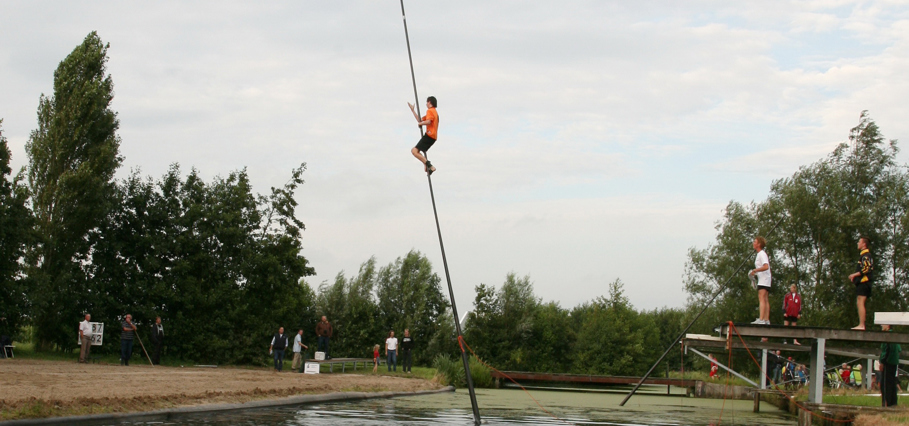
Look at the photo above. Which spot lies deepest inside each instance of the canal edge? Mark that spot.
(209, 408)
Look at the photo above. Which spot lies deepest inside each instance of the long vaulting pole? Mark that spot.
(435, 212)
(707, 304)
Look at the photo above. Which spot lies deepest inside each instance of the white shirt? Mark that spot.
(86, 328)
(391, 343)
(763, 276)
(298, 341)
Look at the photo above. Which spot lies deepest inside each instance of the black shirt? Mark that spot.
(407, 343)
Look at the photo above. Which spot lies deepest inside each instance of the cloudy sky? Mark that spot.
(580, 142)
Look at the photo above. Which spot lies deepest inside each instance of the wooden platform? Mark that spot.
(779, 331)
(524, 376)
(367, 363)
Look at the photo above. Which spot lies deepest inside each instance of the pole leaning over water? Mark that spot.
(454, 307)
(707, 304)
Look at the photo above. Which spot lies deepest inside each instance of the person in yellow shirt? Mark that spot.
(431, 121)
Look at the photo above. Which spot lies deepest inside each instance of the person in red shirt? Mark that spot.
(714, 369)
(792, 309)
(431, 121)
(845, 373)
(375, 359)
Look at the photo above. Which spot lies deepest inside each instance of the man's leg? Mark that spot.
(416, 153)
(274, 356)
(82, 356)
(327, 347)
(408, 359)
(129, 350)
(765, 305)
(795, 341)
(860, 303)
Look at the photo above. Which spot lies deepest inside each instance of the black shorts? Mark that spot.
(425, 143)
(763, 287)
(790, 319)
(863, 289)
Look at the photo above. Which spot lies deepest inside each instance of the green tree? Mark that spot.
(859, 189)
(73, 156)
(614, 339)
(15, 226)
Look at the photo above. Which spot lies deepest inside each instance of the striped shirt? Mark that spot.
(126, 335)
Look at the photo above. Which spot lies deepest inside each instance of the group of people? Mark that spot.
(862, 278)
(391, 353)
(127, 336)
(280, 342)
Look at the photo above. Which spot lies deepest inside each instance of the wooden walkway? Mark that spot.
(524, 376)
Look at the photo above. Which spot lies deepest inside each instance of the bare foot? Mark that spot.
(859, 327)
(764, 339)
(796, 342)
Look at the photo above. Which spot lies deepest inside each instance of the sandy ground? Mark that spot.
(33, 388)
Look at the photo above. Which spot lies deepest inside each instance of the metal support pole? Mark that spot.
(866, 375)
(723, 367)
(816, 385)
(764, 369)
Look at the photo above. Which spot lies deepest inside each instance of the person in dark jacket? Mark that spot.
(278, 344)
(157, 338)
(890, 359)
(407, 351)
(324, 332)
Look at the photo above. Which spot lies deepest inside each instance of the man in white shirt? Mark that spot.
(762, 271)
(391, 350)
(85, 338)
(298, 351)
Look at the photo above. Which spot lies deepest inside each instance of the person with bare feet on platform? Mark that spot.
(431, 121)
(862, 278)
(792, 309)
(762, 271)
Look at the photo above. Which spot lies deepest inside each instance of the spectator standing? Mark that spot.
(714, 368)
(324, 333)
(862, 278)
(890, 359)
(157, 338)
(298, 351)
(792, 309)
(391, 349)
(407, 351)
(375, 359)
(85, 338)
(127, 334)
(278, 344)
(777, 367)
(762, 271)
(845, 374)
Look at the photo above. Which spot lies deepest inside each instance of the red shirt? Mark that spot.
(375, 354)
(792, 305)
(845, 375)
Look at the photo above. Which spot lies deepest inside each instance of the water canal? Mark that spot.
(501, 407)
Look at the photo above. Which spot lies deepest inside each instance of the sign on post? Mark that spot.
(97, 334)
(311, 368)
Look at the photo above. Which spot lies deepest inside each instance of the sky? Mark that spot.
(579, 142)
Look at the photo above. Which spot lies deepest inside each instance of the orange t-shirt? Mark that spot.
(432, 129)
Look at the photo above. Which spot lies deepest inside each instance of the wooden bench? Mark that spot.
(367, 362)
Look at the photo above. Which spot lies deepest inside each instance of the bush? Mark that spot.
(450, 371)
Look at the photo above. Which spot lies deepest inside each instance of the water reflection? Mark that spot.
(501, 407)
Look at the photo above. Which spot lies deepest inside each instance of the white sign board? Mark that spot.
(97, 334)
(311, 368)
(320, 356)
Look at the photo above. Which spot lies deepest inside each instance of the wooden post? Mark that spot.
(757, 401)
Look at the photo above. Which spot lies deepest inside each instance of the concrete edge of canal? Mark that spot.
(161, 415)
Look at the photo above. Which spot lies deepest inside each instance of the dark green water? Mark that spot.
(504, 407)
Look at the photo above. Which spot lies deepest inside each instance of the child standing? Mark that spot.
(375, 359)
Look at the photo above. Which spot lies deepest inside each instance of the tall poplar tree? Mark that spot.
(15, 221)
(73, 156)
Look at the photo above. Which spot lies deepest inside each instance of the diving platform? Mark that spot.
(815, 342)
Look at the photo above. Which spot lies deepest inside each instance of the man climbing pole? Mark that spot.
(431, 121)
